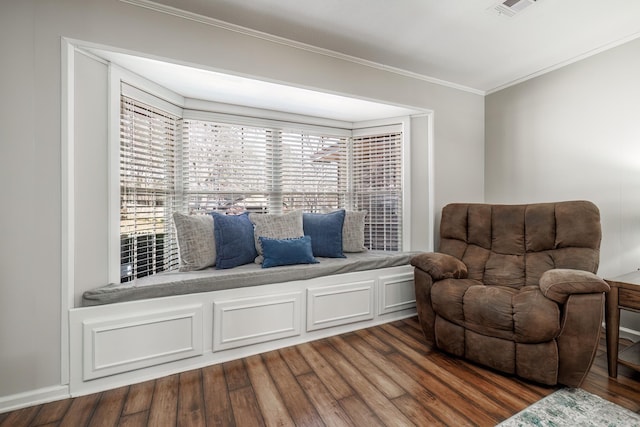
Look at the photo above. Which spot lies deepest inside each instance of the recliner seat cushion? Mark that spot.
(497, 311)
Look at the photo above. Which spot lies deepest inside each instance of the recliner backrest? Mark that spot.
(513, 245)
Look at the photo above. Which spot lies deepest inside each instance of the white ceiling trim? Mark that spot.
(149, 4)
(559, 65)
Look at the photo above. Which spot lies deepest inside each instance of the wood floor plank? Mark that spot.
(190, 400)
(410, 330)
(334, 382)
(271, 404)
(359, 412)
(245, 407)
(218, 411)
(379, 404)
(51, 412)
(21, 417)
(375, 375)
(498, 388)
(328, 408)
(236, 374)
(418, 413)
(448, 404)
(523, 390)
(164, 404)
(418, 390)
(109, 407)
(295, 361)
(445, 386)
(138, 419)
(419, 346)
(616, 394)
(139, 398)
(413, 322)
(626, 385)
(379, 345)
(80, 411)
(302, 412)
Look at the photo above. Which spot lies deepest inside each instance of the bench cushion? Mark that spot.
(180, 283)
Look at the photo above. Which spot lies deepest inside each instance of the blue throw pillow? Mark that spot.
(235, 244)
(325, 231)
(286, 251)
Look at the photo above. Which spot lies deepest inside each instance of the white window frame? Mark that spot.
(402, 124)
(160, 97)
(121, 80)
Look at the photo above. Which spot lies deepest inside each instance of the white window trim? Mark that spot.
(160, 97)
(121, 80)
(402, 124)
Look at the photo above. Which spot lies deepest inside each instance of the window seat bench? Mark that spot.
(173, 322)
(211, 279)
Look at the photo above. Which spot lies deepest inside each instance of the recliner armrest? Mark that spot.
(440, 266)
(558, 284)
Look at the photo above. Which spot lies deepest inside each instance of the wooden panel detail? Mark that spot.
(121, 344)
(330, 306)
(247, 321)
(629, 298)
(396, 292)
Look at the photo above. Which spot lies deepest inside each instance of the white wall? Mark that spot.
(30, 157)
(575, 134)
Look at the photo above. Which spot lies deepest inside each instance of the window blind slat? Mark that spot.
(224, 167)
(312, 170)
(377, 187)
(147, 164)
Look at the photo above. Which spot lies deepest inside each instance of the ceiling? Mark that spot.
(201, 84)
(465, 43)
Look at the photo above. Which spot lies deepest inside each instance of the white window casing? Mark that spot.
(217, 162)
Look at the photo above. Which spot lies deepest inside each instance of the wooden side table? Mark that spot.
(624, 294)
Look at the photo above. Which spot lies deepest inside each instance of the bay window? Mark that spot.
(198, 162)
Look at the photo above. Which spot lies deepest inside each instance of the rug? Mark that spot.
(573, 407)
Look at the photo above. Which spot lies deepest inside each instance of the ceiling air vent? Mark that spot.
(512, 7)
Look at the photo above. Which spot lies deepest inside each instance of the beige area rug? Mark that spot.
(573, 407)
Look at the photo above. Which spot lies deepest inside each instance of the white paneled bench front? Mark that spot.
(172, 322)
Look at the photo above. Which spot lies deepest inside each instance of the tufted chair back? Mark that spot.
(513, 245)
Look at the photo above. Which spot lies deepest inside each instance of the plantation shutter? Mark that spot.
(377, 186)
(224, 167)
(147, 165)
(312, 172)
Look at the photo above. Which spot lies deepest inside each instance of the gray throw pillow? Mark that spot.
(196, 241)
(353, 231)
(276, 226)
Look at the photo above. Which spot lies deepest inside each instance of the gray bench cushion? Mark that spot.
(180, 283)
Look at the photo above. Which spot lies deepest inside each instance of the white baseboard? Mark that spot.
(33, 397)
(630, 334)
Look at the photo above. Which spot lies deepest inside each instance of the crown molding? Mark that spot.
(588, 54)
(169, 10)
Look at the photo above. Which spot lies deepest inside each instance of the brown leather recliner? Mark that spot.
(513, 287)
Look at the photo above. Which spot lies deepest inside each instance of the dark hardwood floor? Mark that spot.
(381, 376)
